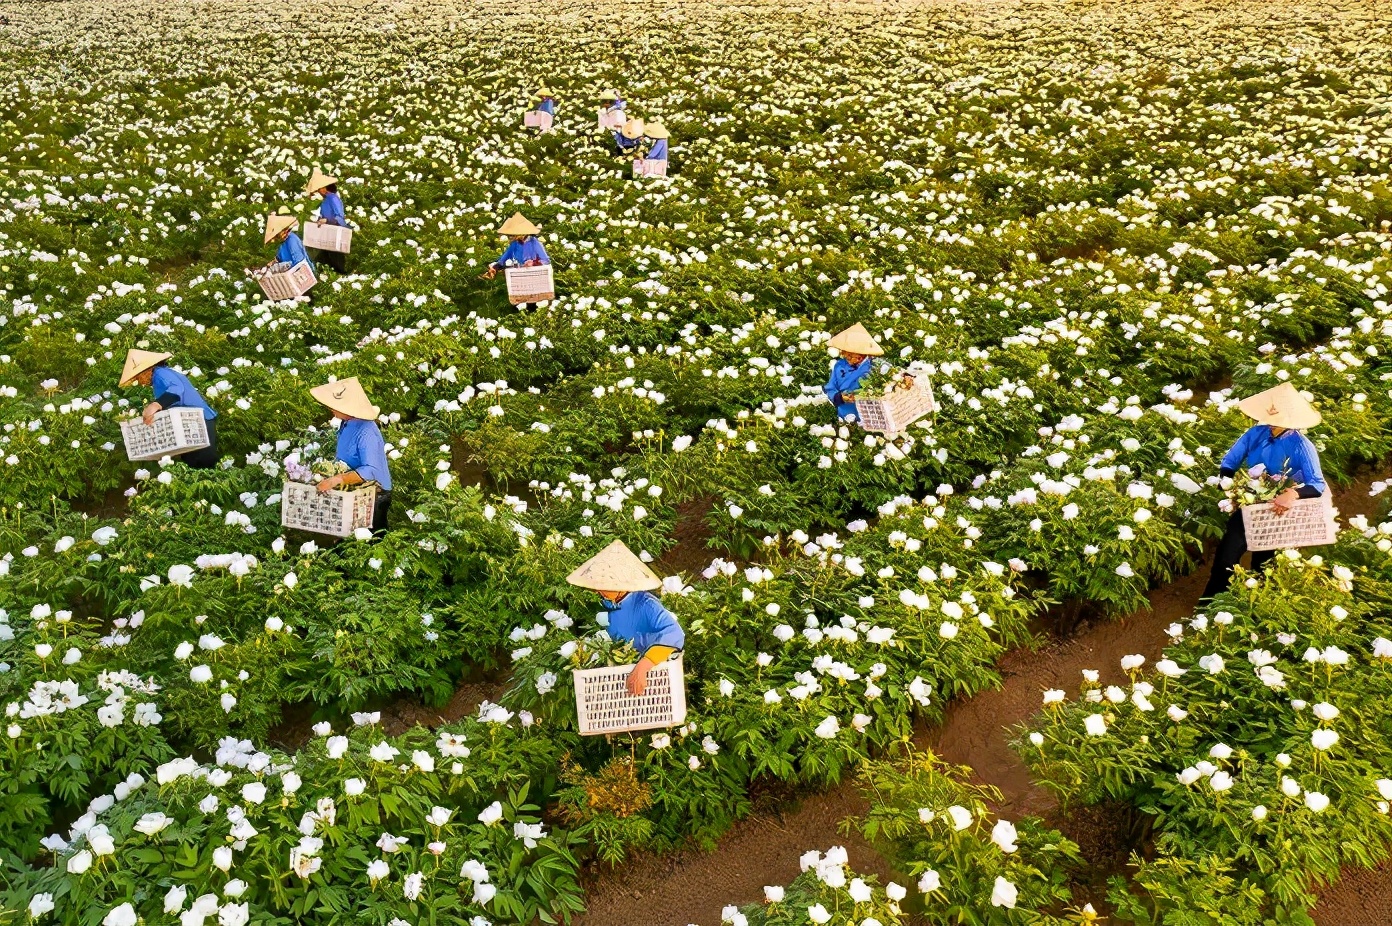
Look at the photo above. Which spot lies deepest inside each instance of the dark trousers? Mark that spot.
(1230, 550)
(379, 512)
(206, 458)
(335, 259)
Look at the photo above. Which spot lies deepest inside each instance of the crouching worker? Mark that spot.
(636, 616)
(360, 444)
(172, 389)
(857, 349)
(1276, 443)
(524, 250)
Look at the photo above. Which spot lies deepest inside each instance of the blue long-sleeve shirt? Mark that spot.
(546, 106)
(845, 378)
(331, 210)
(173, 390)
(658, 151)
(360, 445)
(641, 619)
(519, 252)
(626, 144)
(291, 251)
(1291, 454)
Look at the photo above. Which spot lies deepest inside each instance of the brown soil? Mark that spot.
(691, 554)
(403, 715)
(977, 732)
(297, 720)
(1362, 897)
(692, 886)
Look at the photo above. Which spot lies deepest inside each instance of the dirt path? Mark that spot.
(692, 887)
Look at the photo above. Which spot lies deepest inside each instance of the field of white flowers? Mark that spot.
(1096, 225)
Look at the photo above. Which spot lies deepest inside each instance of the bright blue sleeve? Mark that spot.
(513, 253)
(1306, 462)
(1237, 453)
(660, 627)
(371, 454)
(331, 210)
(658, 152)
(533, 249)
(169, 383)
(832, 386)
(547, 106)
(291, 250)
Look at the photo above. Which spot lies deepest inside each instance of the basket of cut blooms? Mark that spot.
(338, 512)
(1308, 522)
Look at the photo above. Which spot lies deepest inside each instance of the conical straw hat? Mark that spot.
(656, 130)
(633, 128)
(517, 226)
(856, 340)
(277, 223)
(609, 95)
(615, 569)
(543, 92)
(318, 180)
(137, 362)
(1281, 406)
(346, 396)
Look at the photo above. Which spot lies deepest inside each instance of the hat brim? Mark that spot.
(148, 363)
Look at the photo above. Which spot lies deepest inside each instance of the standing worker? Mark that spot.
(1275, 442)
(330, 213)
(172, 389)
(636, 616)
(857, 348)
(360, 444)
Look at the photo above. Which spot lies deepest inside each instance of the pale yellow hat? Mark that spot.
(609, 95)
(1281, 406)
(518, 225)
(633, 128)
(318, 180)
(277, 223)
(615, 569)
(657, 130)
(856, 340)
(543, 92)
(346, 396)
(137, 362)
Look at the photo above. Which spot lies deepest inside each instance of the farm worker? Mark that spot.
(629, 137)
(172, 389)
(1276, 443)
(625, 587)
(616, 103)
(547, 102)
(280, 226)
(658, 134)
(857, 348)
(330, 212)
(525, 249)
(360, 444)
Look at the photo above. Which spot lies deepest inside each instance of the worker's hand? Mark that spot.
(148, 415)
(1282, 503)
(333, 482)
(321, 221)
(638, 678)
(848, 397)
(490, 273)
